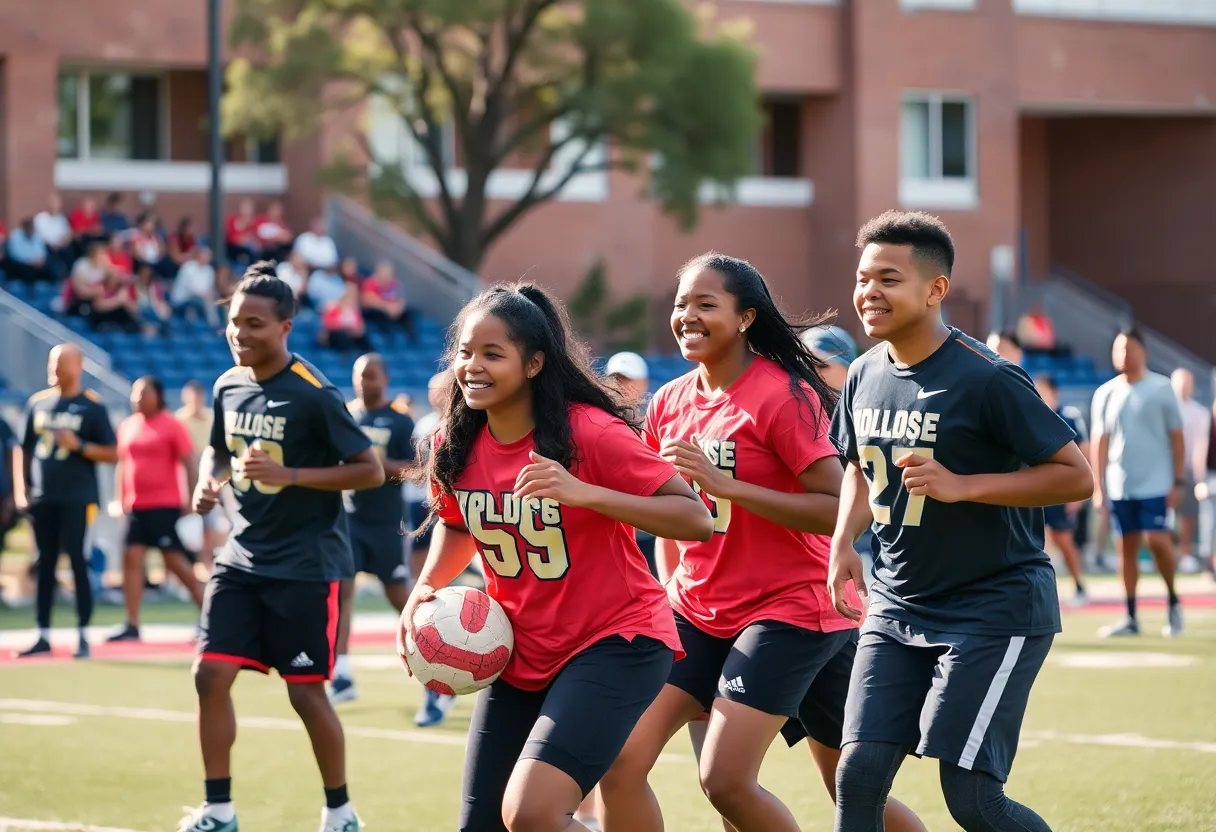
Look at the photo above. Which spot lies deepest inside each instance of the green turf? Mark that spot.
(134, 773)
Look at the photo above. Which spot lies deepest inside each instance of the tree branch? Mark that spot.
(416, 207)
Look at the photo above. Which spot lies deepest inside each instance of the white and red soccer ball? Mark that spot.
(464, 640)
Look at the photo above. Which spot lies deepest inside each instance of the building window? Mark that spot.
(111, 115)
(779, 153)
(937, 151)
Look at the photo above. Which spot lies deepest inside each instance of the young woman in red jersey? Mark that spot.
(749, 428)
(536, 468)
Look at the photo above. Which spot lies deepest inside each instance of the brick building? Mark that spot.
(1074, 134)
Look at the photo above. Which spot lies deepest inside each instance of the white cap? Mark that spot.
(630, 365)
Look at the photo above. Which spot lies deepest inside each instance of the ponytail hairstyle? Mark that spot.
(261, 280)
(536, 323)
(772, 335)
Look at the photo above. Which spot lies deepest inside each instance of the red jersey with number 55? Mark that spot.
(567, 577)
(752, 569)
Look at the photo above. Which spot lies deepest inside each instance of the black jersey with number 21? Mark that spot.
(967, 568)
(300, 419)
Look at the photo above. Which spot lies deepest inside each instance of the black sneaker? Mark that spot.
(82, 650)
(41, 647)
(128, 632)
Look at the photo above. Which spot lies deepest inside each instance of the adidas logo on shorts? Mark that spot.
(735, 685)
(301, 660)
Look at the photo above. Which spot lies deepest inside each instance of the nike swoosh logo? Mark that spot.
(924, 394)
(275, 404)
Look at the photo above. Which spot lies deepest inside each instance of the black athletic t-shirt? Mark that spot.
(300, 419)
(953, 567)
(390, 431)
(57, 475)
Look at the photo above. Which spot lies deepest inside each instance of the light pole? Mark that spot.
(215, 88)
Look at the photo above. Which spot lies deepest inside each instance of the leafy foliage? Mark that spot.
(608, 325)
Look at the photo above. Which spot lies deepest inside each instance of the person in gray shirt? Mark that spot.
(1139, 462)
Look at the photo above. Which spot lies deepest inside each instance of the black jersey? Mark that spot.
(390, 431)
(301, 421)
(55, 474)
(958, 567)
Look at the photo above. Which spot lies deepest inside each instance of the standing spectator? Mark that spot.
(273, 235)
(317, 247)
(342, 322)
(1196, 425)
(67, 432)
(294, 272)
(196, 418)
(113, 220)
(835, 348)
(86, 223)
(182, 242)
(241, 233)
(194, 289)
(629, 374)
(155, 457)
(55, 230)
(27, 253)
(1140, 466)
(383, 300)
(1061, 521)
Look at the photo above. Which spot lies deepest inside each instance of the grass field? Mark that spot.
(1120, 737)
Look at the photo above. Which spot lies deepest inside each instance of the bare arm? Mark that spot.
(854, 515)
(190, 464)
(1178, 452)
(395, 469)
(118, 483)
(1101, 454)
(451, 550)
(666, 558)
(361, 471)
(812, 510)
(673, 512)
(100, 453)
(210, 468)
(1064, 478)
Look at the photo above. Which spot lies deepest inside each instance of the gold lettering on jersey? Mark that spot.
(379, 437)
(255, 425)
(535, 525)
(45, 425)
(899, 425)
(721, 454)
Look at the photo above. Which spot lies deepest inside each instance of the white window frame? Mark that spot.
(937, 5)
(1162, 12)
(83, 134)
(935, 190)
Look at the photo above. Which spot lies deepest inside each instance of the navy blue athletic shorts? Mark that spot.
(958, 698)
(380, 550)
(821, 714)
(1059, 518)
(769, 666)
(578, 724)
(1130, 516)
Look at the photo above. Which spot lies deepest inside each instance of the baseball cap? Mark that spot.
(630, 365)
(831, 344)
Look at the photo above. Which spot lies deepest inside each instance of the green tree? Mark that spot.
(606, 324)
(659, 84)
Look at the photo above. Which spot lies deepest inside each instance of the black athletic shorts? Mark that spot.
(155, 528)
(578, 724)
(769, 666)
(821, 714)
(418, 513)
(260, 623)
(954, 697)
(380, 550)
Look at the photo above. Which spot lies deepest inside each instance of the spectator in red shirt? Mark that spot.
(274, 237)
(121, 261)
(383, 300)
(242, 233)
(115, 305)
(342, 323)
(155, 459)
(86, 223)
(182, 243)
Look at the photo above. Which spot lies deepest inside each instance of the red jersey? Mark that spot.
(567, 577)
(752, 569)
(150, 450)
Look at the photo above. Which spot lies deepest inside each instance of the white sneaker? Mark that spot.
(1189, 565)
(1173, 622)
(1126, 627)
(1080, 599)
(340, 820)
(201, 820)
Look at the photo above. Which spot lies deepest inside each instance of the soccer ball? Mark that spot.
(464, 640)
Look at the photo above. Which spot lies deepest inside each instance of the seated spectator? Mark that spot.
(349, 271)
(383, 300)
(317, 247)
(84, 285)
(154, 312)
(294, 272)
(113, 219)
(194, 289)
(3, 238)
(342, 323)
(115, 306)
(27, 254)
(120, 259)
(225, 282)
(86, 224)
(147, 248)
(1036, 331)
(53, 227)
(274, 237)
(1006, 344)
(183, 242)
(241, 233)
(325, 287)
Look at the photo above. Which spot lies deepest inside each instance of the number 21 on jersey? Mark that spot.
(880, 475)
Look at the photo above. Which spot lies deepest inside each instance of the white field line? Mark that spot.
(271, 723)
(1123, 741)
(28, 825)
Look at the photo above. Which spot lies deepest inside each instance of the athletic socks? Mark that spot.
(218, 803)
(336, 798)
(1131, 608)
(1080, 588)
(1173, 596)
(342, 667)
(44, 633)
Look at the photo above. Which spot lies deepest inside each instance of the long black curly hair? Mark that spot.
(536, 323)
(773, 335)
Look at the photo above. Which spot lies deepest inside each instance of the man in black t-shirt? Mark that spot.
(66, 432)
(284, 441)
(376, 515)
(952, 454)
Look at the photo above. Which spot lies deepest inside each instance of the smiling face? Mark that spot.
(490, 369)
(892, 294)
(256, 334)
(705, 318)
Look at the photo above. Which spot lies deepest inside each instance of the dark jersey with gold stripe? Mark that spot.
(55, 474)
(300, 419)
